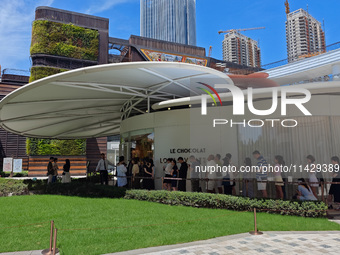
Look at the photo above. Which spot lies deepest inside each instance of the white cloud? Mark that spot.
(16, 17)
(104, 5)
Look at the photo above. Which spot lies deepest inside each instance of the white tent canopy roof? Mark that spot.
(91, 101)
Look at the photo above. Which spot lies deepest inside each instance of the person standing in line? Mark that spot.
(183, 172)
(55, 170)
(248, 187)
(167, 174)
(66, 177)
(226, 160)
(141, 173)
(284, 175)
(304, 191)
(313, 180)
(219, 174)
(102, 167)
(121, 173)
(153, 173)
(211, 175)
(50, 170)
(234, 185)
(174, 174)
(228, 181)
(149, 173)
(279, 163)
(135, 174)
(194, 175)
(227, 184)
(129, 172)
(261, 174)
(334, 191)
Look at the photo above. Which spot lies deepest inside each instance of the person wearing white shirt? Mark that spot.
(167, 172)
(121, 173)
(102, 167)
(211, 174)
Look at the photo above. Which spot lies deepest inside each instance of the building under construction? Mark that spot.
(304, 34)
(240, 49)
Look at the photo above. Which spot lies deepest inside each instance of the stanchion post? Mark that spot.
(49, 251)
(55, 250)
(255, 232)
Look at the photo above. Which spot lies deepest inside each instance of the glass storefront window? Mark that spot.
(138, 144)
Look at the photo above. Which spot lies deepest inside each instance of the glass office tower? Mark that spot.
(169, 20)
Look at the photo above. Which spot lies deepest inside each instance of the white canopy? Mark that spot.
(92, 101)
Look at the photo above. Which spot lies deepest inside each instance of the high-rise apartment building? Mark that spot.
(240, 49)
(169, 20)
(304, 34)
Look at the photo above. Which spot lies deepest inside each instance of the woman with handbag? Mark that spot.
(66, 177)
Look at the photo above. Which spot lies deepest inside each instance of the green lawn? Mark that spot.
(74, 213)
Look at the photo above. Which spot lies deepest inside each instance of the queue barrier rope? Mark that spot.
(150, 225)
(185, 221)
(26, 225)
(166, 223)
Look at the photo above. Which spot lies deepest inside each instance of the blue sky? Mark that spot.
(16, 18)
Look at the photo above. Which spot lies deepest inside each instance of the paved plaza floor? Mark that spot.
(271, 242)
(326, 242)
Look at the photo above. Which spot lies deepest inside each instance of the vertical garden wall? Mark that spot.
(67, 41)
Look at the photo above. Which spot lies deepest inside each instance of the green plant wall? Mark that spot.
(65, 40)
(43, 147)
(38, 72)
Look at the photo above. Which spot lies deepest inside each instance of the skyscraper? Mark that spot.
(240, 49)
(304, 34)
(169, 20)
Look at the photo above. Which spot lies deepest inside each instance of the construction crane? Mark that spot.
(210, 51)
(287, 7)
(239, 30)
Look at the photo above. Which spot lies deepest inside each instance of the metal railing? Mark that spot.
(15, 72)
(333, 46)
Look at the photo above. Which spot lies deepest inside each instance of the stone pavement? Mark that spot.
(275, 242)
(271, 242)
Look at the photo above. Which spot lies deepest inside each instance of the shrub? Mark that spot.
(7, 174)
(220, 201)
(78, 187)
(10, 187)
(84, 189)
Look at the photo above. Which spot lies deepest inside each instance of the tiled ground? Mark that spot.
(326, 242)
(268, 243)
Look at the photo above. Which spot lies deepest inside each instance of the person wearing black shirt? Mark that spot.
(148, 183)
(183, 170)
(66, 177)
(174, 174)
(50, 170)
